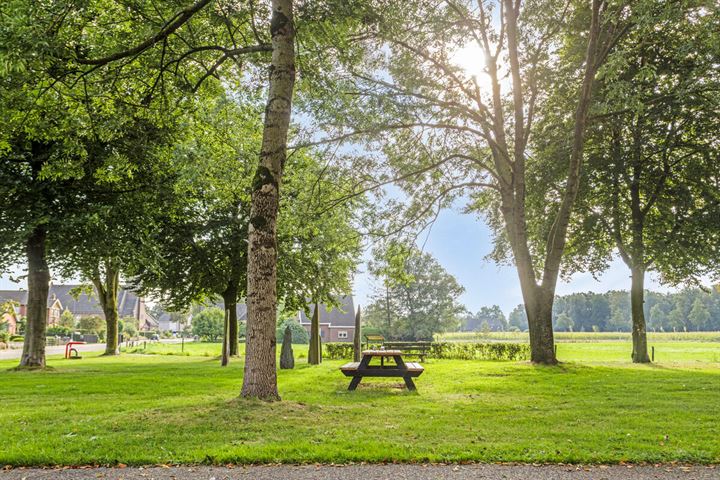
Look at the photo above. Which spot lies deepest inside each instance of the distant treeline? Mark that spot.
(688, 310)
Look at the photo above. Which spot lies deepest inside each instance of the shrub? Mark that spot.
(92, 324)
(447, 350)
(67, 319)
(129, 330)
(208, 324)
(480, 351)
(338, 351)
(17, 338)
(299, 334)
(4, 336)
(58, 331)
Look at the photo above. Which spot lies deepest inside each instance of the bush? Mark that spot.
(480, 351)
(67, 319)
(447, 350)
(208, 324)
(338, 351)
(58, 331)
(299, 334)
(4, 336)
(92, 324)
(17, 338)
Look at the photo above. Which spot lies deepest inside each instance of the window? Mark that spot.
(342, 334)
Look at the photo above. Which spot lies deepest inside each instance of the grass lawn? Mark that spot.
(148, 409)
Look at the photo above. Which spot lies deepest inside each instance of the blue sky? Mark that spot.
(460, 243)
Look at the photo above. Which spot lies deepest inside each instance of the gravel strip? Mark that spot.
(376, 472)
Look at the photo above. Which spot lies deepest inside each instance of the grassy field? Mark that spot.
(573, 337)
(148, 409)
(568, 351)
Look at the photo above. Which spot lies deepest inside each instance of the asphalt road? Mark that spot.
(9, 354)
(378, 472)
(59, 350)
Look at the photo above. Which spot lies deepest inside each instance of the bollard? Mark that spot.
(652, 349)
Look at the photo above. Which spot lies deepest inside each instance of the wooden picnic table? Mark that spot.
(358, 370)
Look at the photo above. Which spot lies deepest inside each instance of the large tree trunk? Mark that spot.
(260, 376)
(33, 355)
(542, 339)
(107, 292)
(637, 300)
(314, 349)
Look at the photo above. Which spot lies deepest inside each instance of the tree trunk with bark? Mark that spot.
(225, 354)
(314, 347)
(230, 302)
(260, 376)
(637, 301)
(107, 292)
(33, 355)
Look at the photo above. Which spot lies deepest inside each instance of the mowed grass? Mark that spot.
(585, 352)
(150, 409)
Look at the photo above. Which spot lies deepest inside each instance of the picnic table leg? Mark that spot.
(354, 383)
(409, 383)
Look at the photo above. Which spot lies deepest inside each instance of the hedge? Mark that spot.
(480, 351)
(338, 351)
(449, 350)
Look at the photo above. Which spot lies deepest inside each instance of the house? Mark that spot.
(19, 297)
(336, 324)
(129, 305)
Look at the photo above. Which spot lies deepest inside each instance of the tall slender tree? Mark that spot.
(651, 192)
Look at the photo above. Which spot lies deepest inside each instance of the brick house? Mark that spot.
(54, 308)
(129, 305)
(336, 324)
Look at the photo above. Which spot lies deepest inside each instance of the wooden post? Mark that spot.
(653, 353)
(356, 338)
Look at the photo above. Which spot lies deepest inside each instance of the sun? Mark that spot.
(471, 58)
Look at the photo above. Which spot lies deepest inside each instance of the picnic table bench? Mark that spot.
(358, 370)
(419, 349)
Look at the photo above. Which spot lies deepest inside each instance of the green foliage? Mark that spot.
(691, 309)
(449, 350)
(493, 317)
(649, 192)
(416, 303)
(518, 318)
(480, 351)
(92, 324)
(67, 319)
(59, 331)
(208, 324)
(128, 327)
(299, 334)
